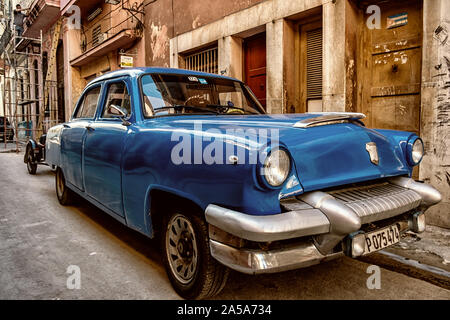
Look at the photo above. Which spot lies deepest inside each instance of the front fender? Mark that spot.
(148, 220)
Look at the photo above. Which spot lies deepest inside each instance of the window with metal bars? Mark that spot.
(205, 61)
(96, 35)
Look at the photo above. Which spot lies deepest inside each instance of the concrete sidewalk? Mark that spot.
(431, 247)
(424, 256)
(39, 239)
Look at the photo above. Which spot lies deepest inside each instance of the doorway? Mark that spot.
(255, 65)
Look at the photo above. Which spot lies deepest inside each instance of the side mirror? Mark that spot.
(118, 112)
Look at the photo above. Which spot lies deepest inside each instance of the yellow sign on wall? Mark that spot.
(126, 62)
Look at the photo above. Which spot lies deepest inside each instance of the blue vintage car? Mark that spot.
(193, 159)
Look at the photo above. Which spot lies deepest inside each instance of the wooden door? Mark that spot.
(390, 75)
(255, 65)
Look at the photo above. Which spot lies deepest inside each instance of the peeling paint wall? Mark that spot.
(435, 124)
(165, 19)
(159, 42)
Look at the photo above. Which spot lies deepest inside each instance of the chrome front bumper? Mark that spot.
(248, 261)
(318, 220)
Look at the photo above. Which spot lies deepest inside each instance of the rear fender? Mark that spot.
(53, 146)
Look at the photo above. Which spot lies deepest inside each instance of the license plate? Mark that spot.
(381, 239)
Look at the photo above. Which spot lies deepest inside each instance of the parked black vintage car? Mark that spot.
(6, 128)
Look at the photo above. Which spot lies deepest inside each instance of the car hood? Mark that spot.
(324, 156)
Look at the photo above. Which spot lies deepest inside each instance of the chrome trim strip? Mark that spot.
(256, 262)
(328, 118)
(287, 225)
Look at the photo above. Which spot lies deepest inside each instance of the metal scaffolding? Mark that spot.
(30, 97)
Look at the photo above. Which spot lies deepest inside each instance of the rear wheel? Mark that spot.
(193, 272)
(64, 194)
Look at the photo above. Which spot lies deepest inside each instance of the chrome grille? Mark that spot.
(378, 202)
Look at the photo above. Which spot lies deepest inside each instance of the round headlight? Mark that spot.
(417, 151)
(276, 167)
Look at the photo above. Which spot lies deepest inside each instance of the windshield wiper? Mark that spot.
(178, 107)
(223, 109)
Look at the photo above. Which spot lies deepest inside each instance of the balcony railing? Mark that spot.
(42, 15)
(105, 28)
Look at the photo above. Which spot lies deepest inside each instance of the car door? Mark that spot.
(103, 147)
(73, 134)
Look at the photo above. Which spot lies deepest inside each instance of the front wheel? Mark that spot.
(193, 272)
(31, 165)
(64, 194)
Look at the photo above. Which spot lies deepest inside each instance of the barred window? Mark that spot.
(314, 63)
(96, 35)
(205, 61)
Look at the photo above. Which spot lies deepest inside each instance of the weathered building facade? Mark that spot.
(96, 34)
(387, 59)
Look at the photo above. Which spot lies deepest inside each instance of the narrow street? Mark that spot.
(40, 239)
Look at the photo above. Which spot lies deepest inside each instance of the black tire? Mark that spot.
(64, 194)
(209, 276)
(31, 165)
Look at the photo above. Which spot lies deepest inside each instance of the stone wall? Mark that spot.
(435, 123)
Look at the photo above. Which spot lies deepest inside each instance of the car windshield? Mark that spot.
(172, 94)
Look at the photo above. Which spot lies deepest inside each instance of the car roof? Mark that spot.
(135, 72)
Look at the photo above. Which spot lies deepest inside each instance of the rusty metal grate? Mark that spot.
(205, 61)
(314, 64)
(96, 35)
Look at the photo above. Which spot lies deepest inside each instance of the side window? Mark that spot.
(89, 104)
(152, 96)
(117, 96)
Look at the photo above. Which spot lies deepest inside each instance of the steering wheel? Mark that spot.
(196, 101)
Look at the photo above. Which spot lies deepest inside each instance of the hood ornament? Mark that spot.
(371, 148)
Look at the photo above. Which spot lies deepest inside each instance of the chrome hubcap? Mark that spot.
(181, 248)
